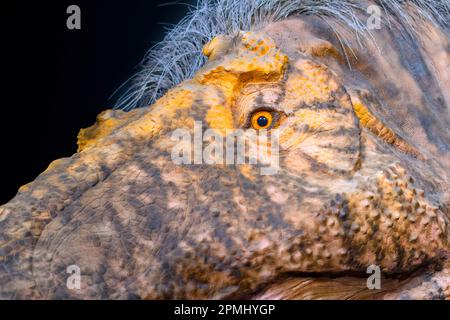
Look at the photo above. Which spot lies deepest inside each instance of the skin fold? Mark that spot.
(363, 180)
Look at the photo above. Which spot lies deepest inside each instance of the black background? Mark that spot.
(55, 80)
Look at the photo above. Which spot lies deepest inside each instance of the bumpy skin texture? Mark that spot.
(363, 180)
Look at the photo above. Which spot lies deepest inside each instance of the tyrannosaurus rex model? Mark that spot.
(359, 94)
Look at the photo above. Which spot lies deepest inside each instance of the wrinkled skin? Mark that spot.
(363, 180)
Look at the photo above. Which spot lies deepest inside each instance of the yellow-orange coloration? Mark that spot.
(25, 187)
(340, 208)
(310, 83)
(257, 115)
(220, 118)
(369, 121)
(217, 46)
(255, 59)
(313, 119)
(138, 124)
(106, 122)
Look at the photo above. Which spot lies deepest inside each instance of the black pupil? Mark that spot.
(263, 121)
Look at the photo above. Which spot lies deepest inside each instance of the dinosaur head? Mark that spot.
(341, 195)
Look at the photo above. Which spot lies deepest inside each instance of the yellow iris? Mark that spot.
(261, 120)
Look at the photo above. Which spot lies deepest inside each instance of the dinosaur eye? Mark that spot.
(262, 120)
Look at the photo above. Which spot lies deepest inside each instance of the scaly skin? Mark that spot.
(356, 186)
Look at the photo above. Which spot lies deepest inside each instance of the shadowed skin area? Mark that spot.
(363, 180)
